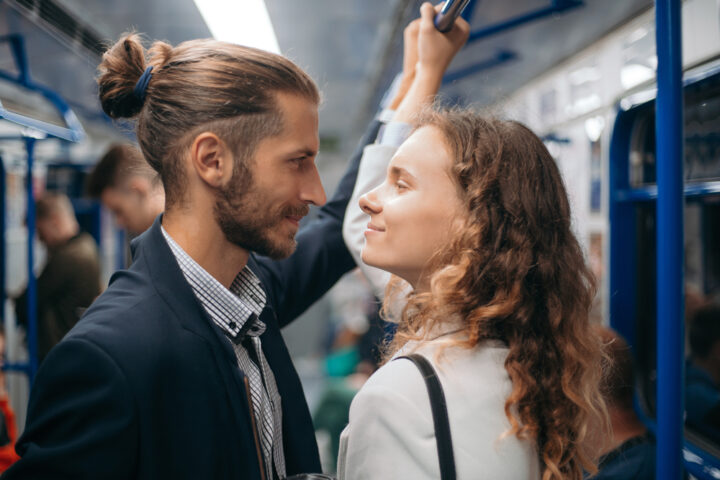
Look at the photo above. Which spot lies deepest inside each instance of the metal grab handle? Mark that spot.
(450, 11)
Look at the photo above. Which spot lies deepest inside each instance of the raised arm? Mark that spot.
(426, 56)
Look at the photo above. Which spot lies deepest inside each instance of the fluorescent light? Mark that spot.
(244, 22)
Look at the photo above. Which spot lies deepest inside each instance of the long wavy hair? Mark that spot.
(516, 273)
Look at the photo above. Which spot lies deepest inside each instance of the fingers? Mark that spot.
(427, 15)
(411, 31)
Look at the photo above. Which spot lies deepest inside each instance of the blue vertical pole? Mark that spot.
(31, 286)
(3, 226)
(670, 249)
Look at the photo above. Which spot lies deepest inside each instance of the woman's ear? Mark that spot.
(211, 159)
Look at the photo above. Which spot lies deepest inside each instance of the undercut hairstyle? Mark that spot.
(120, 163)
(197, 86)
(52, 204)
(516, 273)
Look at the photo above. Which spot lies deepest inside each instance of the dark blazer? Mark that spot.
(146, 386)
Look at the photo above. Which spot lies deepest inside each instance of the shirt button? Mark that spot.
(232, 325)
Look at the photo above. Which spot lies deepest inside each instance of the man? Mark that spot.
(629, 452)
(179, 370)
(70, 280)
(128, 187)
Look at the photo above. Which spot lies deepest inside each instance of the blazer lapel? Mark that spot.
(151, 249)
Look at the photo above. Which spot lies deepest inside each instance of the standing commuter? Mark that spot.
(128, 187)
(629, 452)
(70, 280)
(179, 369)
(472, 214)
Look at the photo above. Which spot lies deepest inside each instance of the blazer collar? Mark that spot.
(151, 252)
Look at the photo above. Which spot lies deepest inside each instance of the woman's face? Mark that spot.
(414, 212)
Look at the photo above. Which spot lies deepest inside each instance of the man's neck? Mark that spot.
(625, 425)
(201, 238)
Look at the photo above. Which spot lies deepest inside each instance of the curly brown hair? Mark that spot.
(517, 274)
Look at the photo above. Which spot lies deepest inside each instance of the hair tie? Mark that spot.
(142, 83)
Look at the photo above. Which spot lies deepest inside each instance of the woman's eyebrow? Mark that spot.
(401, 172)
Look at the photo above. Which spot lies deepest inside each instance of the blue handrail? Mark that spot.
(501, 57)
(670, 248)
(74, 131)
(557, 6)
(32, 281)
(35, 130)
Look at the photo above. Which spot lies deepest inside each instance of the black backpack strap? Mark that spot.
(440, 415)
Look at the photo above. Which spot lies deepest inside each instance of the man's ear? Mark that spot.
(211, 159)
(140, 185)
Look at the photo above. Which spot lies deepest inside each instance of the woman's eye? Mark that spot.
(401, 185)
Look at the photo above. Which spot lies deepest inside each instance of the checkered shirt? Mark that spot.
(236, 311)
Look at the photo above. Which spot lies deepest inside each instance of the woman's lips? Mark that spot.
(373, 229)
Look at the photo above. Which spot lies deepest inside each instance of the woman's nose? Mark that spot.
(369, 203)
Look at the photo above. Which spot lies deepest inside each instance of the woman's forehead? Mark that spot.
(424, 151)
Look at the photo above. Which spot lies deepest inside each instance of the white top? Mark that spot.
(390, 434)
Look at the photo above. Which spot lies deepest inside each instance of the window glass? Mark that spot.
(702, 139)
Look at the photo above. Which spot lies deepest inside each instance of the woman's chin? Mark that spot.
(369, 259)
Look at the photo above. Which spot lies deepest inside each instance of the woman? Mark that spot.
(473, 215)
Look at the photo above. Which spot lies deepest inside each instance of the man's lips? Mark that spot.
(294, 219)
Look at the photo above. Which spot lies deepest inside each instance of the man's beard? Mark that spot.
(246, 219)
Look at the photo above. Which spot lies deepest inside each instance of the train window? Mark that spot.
(639, 59)
(584, 89)
(548, 105)
(701, 259)
(702, 139)
(702, 286)
(595, 177)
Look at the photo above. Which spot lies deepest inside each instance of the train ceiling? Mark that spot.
(351, 47)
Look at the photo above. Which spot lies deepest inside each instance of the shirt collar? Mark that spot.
(235, 310)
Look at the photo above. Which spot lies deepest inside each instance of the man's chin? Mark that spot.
(278, 250)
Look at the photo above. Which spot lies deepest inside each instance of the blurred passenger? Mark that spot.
(702, 375)
(70, 280)
(629, 453)
(473, 214)
(179, 369)
(8, 427)
(128, 187)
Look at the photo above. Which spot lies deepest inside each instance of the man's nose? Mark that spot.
(313, 191)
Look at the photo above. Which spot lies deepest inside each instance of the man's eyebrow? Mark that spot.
(303, 152)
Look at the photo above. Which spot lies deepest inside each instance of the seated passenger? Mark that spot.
(70, 280)
(473, 214)
(629, 453)
(128, 187)
(702, 375)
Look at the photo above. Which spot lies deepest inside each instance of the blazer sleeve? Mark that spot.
(371, 173)
(321, 257)
(81, 419)
(390, 434)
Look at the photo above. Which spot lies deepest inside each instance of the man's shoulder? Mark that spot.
(80, 247)
(130, 302)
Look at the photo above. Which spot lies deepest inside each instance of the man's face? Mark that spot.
(261, 208)
(48, 231)
(129, 207)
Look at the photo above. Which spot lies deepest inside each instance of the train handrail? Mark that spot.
(34, 130)
(556, 6)
(74, 131)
